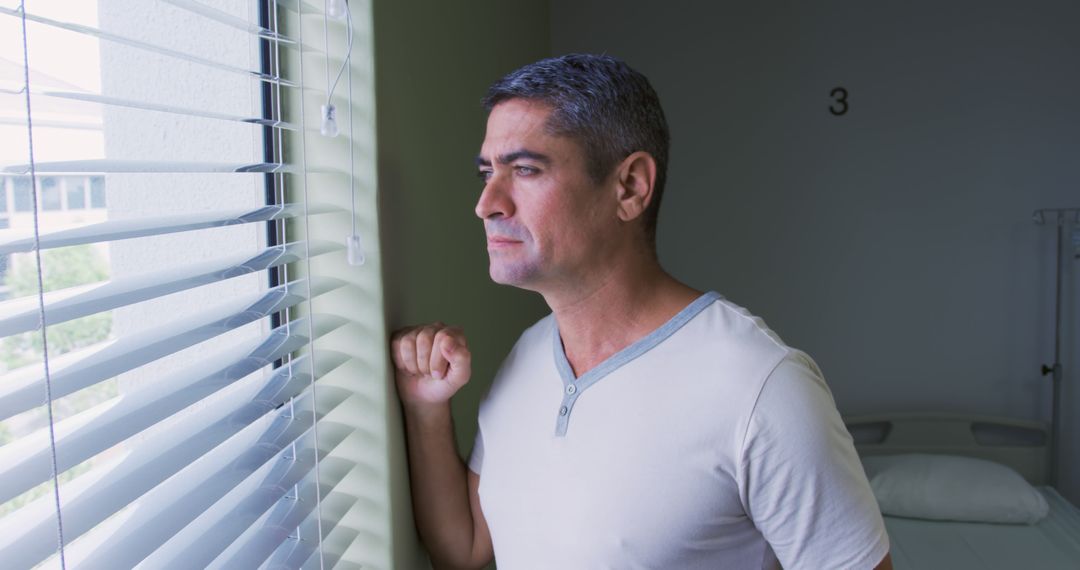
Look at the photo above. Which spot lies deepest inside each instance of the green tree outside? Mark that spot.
(62, 268)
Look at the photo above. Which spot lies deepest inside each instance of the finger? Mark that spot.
(459, 335)
(407, 352)
(395, 353)
(438, 362)
(424, 340)
(460, 361)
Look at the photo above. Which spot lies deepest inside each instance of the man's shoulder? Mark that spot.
(734, 333)
(731, 328)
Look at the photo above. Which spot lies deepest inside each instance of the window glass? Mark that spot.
(3, 194)
(76, 271)
(5, 223)
(97, 192)
(3, 268)
(24, 198)
(75, 188)
(50, 193)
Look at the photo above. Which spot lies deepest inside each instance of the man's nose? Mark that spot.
(495, 200)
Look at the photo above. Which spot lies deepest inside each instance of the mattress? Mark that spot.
(1052, 544)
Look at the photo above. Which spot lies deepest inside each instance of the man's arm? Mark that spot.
(432, 363)
(886, 563)
(805, 488)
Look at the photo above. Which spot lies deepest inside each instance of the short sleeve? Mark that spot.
(800, 479)
(476, 459)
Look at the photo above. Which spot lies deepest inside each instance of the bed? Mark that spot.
(917, 543)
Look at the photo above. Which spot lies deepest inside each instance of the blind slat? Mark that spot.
(108, 36)
(29, 536)
(337, 541)
(172, 505)
(149, 106)
(231, 21)
(114, 230)
(59, 124)
(131, 352)
(336, 553)
(105, 165)
(62, 306)
(305, 7)
(28, 462)
(96, 497)
(198, 544)
(182, 466)
(264, 537)
(303, 552)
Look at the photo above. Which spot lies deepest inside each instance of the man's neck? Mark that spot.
(598, 319)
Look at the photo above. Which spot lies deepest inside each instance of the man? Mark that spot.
(643, 424)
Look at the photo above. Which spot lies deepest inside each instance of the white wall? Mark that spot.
(894, 243)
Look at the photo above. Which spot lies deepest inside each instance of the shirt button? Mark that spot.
(563, 410)
(571, 389)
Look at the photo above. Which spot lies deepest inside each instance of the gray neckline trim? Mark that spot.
(573, 387)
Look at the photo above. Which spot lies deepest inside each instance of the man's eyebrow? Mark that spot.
(512, 156)
(523, 153)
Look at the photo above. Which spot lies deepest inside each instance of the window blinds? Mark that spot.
(161, 400)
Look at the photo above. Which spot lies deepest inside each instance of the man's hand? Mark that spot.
(433, 362)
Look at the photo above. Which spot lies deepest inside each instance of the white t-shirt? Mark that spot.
(706, 444)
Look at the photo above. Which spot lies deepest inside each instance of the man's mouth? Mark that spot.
(499, 241)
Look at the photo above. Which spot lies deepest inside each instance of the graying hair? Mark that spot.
(605, 105)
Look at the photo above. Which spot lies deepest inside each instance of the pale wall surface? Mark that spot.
(894, 243)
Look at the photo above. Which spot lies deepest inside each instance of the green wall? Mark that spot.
(433, 63)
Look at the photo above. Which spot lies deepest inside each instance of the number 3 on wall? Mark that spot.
(840, 105)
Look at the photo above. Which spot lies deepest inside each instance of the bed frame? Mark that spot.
(1020, 444)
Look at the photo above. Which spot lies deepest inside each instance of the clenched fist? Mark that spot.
(433, 362)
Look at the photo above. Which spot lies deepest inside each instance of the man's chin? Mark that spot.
(506, 276)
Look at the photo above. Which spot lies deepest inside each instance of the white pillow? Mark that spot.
(952, 488)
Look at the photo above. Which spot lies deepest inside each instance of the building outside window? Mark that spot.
(74, 193)
(50, 194)
(184, 295)
(68, 129)
(97, 192)
(22, 194)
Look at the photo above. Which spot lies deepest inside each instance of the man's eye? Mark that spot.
(483, 175)
(526, 170)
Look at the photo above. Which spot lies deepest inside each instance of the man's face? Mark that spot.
(546, 219)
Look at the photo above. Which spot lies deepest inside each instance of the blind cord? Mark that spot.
(355, 251)
(326, 51)
(41, 291)
(279, 153)
(331, 87)
(307, 265)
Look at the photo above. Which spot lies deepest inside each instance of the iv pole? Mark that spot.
(1056, 369)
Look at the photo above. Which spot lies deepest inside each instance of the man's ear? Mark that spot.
(634, 182)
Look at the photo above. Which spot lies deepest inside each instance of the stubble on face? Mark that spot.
(511, 264)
